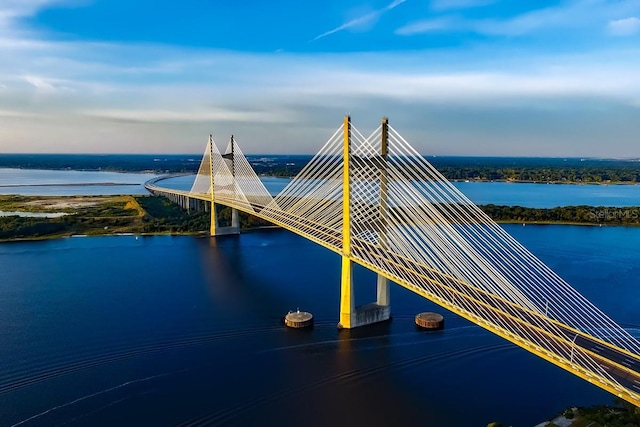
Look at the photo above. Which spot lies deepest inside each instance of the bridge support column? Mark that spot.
(347, 300)
(214, 219)
(352, 316)
(383, 291)
(235, 220)
(216, 230)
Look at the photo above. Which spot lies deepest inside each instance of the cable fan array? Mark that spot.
(408, 223)
(230, 178)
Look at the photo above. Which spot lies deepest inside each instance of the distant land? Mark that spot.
(517, 169)
(23, 217)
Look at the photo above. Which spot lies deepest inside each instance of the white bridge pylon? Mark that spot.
(377, 202)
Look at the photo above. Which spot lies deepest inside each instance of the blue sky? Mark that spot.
(455, 77)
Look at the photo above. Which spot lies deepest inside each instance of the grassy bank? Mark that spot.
(100, 215)
(95, 215)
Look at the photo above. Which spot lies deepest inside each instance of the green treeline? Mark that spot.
(587, 175)
(542, 174)
(163, 216)
(566, 214)
(14, 227)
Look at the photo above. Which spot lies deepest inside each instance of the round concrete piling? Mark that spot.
(298, 319)
(431, 321)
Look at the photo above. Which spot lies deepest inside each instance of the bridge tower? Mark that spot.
(214, 213)
(215, 229)
(235, 217)
(350, 315)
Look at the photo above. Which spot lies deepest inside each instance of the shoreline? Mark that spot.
(161, 172)
(204, 233)
(185, 233)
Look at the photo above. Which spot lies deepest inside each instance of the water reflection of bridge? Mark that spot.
(378, 203)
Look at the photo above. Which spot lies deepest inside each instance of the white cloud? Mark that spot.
(40, 83)
(565, 16)
(625, 27)
(481, 87)
(18, 114)
(361, 20)
(203, 115)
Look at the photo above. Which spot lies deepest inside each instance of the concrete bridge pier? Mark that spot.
(235, 220)
(352, 316)
(216, 230)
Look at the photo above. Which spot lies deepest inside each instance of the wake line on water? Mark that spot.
(89, 396)
(78, 365)
(448, 334)
(108, 405)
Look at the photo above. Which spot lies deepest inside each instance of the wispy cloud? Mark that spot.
(361, 20)
(48, 85)
(625, 27)
(569, 15)
(18, 114)
(440, 5)
(201, 115)
(10, 10)
(427, 26)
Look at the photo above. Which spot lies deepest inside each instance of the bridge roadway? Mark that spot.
(572, 347)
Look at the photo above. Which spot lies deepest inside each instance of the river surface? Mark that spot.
(36, 182)
(163, 330)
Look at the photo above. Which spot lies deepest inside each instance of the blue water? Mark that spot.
(550, 195)
(35, 182)
(162, 330)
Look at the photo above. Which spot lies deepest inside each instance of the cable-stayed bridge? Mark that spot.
(377, 202)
